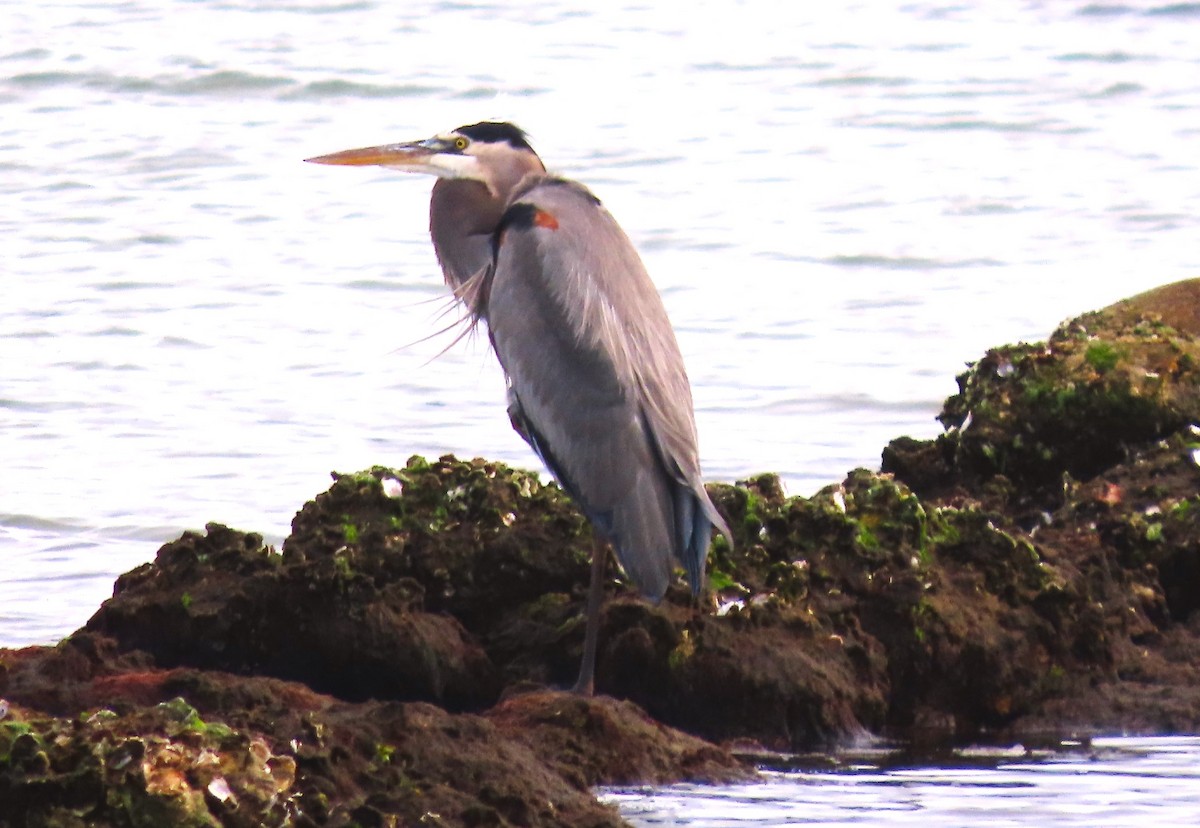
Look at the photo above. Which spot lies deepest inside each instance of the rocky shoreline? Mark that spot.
(1035, 569)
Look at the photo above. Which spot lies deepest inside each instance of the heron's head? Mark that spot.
(497, 154)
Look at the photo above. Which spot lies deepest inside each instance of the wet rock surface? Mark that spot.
(1035, 568)
(1087, 447)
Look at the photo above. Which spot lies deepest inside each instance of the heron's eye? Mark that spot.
(461, 143)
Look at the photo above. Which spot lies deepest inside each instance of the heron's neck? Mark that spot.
(464, 213)
(462, 217)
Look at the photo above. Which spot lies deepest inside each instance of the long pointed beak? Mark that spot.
(414, 156)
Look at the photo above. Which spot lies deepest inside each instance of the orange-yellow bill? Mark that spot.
(386, 155)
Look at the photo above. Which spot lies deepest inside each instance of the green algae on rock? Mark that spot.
(478, 536)
(894, 614)
(1035, 567)
(289, 757)
(862, 608)
(1102, 382)
(1085, 446)
(329, 622)
(160, 766)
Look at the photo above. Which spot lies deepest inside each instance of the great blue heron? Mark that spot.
(596, 383)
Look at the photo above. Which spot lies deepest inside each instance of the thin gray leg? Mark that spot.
(585, 684)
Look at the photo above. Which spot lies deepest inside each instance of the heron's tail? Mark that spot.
(695, 517)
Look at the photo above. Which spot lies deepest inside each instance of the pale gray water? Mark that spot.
(1114, 782)
(841, 205)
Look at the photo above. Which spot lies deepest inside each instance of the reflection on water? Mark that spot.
(1108, 782)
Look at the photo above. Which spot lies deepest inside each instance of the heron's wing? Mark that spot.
(597, 382)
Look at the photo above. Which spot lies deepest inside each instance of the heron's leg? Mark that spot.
(585, 685)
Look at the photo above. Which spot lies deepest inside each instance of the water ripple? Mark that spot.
(1120, 781)
(221, 83)
(336, 88)
(906, 262)
(1175, 10)
(1106, 57)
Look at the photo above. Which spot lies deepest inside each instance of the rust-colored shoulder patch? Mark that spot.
(522, 216)
(543, 219)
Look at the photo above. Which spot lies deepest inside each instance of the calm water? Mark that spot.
(1113, 782)
(841, 207)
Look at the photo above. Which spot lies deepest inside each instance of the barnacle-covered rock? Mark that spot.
(1035, 567)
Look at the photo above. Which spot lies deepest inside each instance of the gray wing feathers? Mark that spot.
(598, 381)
